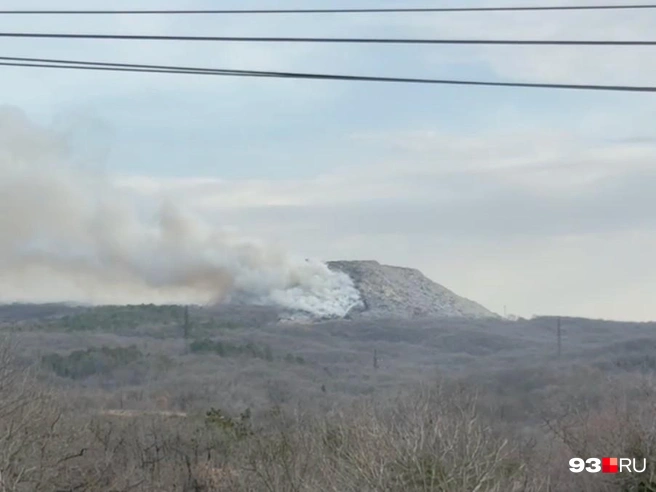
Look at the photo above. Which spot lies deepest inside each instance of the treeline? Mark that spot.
(113, 319)
(81, 364)
(249, 349)
(126, 319)
(105, 361)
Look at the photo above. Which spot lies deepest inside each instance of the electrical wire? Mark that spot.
(267, 39)
(125, 67)
(333, 11)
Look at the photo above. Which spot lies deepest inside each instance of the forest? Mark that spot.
(167, 398)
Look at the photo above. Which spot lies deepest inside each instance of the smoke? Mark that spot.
(67, 234)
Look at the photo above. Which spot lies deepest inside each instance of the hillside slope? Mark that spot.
(396, 292)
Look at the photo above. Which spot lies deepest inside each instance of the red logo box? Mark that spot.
(609, 465)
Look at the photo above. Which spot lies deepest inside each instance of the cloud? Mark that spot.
(441, 168)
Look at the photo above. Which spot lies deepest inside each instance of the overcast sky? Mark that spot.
(539, 200)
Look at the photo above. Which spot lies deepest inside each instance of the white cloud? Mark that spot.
(431, 165)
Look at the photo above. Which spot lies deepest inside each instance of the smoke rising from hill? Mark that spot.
(71, 235)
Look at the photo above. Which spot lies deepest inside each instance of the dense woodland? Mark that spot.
(159, 398)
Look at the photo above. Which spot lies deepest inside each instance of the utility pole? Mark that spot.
(186, 329)
(558, 334)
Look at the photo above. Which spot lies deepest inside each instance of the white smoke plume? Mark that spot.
(71, 235)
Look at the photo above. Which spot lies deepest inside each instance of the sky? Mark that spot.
(528, 201)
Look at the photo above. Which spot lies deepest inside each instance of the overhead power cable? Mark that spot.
(269, 39)
(336, 11)
(126, 67)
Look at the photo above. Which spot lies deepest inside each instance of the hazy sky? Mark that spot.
(539, 200)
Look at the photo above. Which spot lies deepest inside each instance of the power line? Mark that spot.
(125, 67)
(333, 11)
(267, 39)
(129, 67)
(84, 63)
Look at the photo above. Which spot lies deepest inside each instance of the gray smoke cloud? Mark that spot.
(67, 234)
